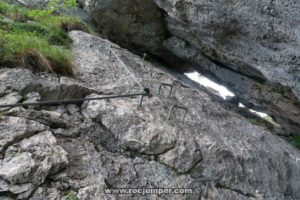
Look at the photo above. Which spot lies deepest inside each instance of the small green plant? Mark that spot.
(71, 196)
(31, 51)
(257, 122)
(278, 89)
(70, 4)
(54, 5)
(295, 140)
(13, 154)
(39, 14)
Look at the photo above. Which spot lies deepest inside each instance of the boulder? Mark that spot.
(130, 23)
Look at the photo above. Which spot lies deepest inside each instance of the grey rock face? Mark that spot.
(252, 47)
(49, 87)
(49, 193)
(236, 155)
(29, 162)
(10, 99)
(31, 3)
(133, 23)
(183, 157)
(279, 102)
(51, 152)
(49, 118)
(14, 129)
(138, 129)
(17, 169)
(256, 39)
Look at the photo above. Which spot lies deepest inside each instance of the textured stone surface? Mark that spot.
(250, 37)
(46, 193)
(49, 87)
(138, 129)
(131, 23)
(184, 156)
(32, 3)
(11, 98)
(236, 155)
(50, 118)
(50, 152)
(29, 162)
(17, 169)
(273, 99)
(14, 129)
(252, 47)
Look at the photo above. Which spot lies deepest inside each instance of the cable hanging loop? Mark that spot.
(134, 78)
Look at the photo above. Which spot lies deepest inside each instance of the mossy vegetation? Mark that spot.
(295, 140)
(278, 89)
(257, 122)
(37, 39)
(262, 122)
(71, 196)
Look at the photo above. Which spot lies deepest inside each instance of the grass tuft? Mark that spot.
(59, 37)
(295, 140)
(37, 39)
(71, 196)
(74, 25)
(28, 50)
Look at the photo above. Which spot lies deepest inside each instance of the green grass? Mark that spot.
(295, 140)
(256, 122)
(71, 196)
(278, 89)
(36, 39)
(263, 123)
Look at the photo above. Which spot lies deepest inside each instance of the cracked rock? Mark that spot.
(183, 157)
(136, 129)
(14, 129)
(11, 98)
(27, 164)
(49, 118)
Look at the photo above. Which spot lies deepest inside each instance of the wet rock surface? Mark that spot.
(52, 152)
